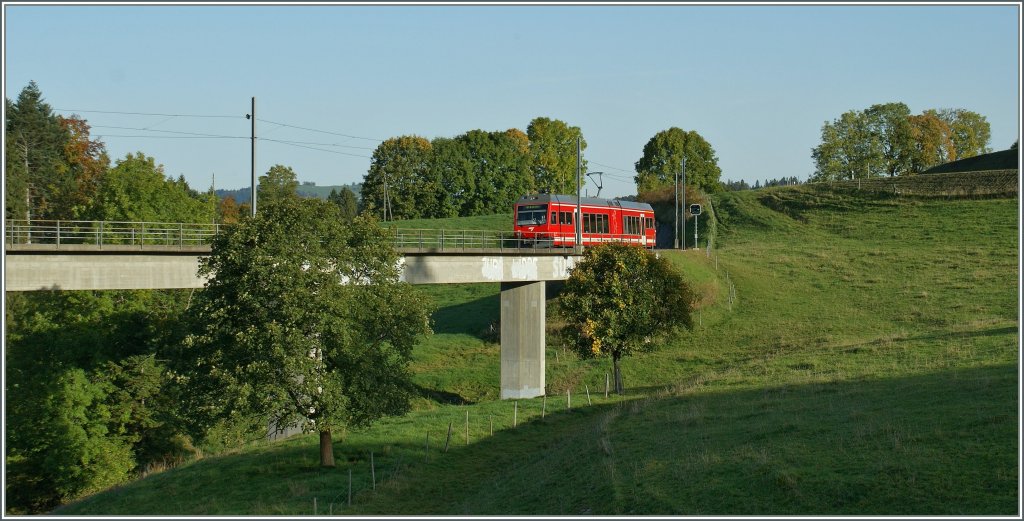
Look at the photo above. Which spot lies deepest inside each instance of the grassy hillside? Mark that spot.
(1001, 160)
(852, 356)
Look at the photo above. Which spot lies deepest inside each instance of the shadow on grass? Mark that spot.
(471, 318)
(943, 443)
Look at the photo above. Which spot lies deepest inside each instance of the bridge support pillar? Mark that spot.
(522, 339)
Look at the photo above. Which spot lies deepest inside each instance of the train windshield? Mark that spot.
(532, 214)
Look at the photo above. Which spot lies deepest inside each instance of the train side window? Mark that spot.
(554, 218)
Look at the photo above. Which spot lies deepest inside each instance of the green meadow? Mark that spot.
(852, 354)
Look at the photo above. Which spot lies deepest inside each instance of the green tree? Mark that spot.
(452, 168)
(136, 190)
(553, 155)
(37, 175)
(499, 171)
(846, 151)
(890, 132)
(621, 299)
(278, 183)
(346, 202)
(397, 179)
(304, 321)
(970, 131)
(663, 156)
(89, 402)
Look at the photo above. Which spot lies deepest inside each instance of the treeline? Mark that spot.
(735, 186)
(480, 172)
(887, 140)
(475, 173)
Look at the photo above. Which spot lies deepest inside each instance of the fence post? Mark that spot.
(58, 233)
(99, 235)
(181, 235)
(442, 239)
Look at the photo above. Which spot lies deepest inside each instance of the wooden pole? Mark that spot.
(588, 395)
(314, 506)
(373, 472)
(606, 385)
(449, 438)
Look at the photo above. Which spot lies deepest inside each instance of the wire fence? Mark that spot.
(958, 184)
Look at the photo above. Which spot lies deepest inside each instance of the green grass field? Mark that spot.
(867, 365)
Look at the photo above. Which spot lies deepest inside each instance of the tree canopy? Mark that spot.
(553, 155)
(887, 140)
(662, 161)
(304, 320)
(620, 299)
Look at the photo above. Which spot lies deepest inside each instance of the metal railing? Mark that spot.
(108, 233)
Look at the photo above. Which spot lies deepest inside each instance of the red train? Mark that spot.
(547, 220)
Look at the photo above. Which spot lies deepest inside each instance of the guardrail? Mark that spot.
(108, 233)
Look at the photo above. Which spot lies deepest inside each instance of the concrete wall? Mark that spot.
(88, 271)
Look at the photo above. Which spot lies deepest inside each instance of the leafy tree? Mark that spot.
(970, 132)
(456, 174)
(621, 299)
(278, 183)
(136, 190)
(396, 181)
(932, 141)
(846, 151)
(304, 321)
(346, 201)
(553, 155)
(500, 171)
(662, 161)
(87, 160)
(37, 176)
(890, 132)
(89, 402)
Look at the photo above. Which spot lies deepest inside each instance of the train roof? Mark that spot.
(590, 201)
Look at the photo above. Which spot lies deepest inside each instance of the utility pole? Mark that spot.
(252, 198)
(682, 209)
(579, 216)
(675, 208)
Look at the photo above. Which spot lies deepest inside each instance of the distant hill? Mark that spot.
(242, 195)
(1002, 160)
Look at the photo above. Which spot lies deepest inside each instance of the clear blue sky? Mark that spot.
(757, 82)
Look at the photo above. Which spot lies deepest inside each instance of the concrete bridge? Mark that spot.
(84, 261)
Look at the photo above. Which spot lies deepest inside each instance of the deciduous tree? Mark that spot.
(662, 161)
(970, 132)
(397, 179)
(621, 299)
(304, 320)
(553, 155)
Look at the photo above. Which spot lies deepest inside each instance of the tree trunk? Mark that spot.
(326, 449)
(619, 388)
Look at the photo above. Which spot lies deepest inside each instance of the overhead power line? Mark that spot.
(197, 134)
(293, 144)
(320, 131)
(147, 114)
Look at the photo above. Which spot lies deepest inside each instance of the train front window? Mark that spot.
(532, 215)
